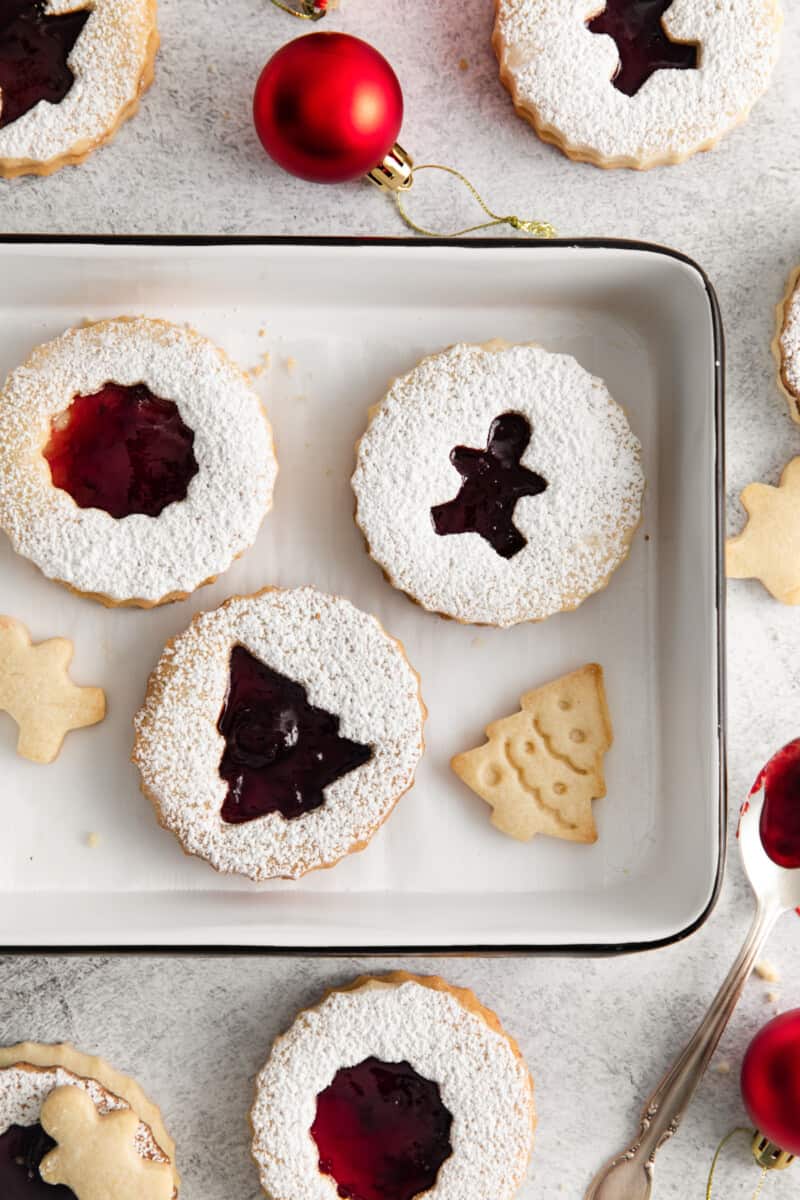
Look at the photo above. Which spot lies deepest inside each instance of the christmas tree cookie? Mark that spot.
(768, 548)
(541, 768)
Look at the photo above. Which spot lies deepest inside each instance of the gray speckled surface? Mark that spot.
(597, 1034)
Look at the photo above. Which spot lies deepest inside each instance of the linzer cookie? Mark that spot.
(786, 345)
(541, 768)
(396, 1087)
(136, 462)
(498, 484)
(636, 83)
(70, 1119)
(278, 733)
(71, 71)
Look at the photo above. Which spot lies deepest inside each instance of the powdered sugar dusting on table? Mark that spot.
(138, 556)
(108, 61)
(482, 1083)
(577, 531)
(790, 341)
(347, 664)
(561, 71)
(24, 1088)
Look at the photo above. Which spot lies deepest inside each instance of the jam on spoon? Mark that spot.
(280, 751)
(780, 816)
(34, 48)
(382, 1131)
(123, 450)
(22, 1149)
(642, 42)
(494, 480)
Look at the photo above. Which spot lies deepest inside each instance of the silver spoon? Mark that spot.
(629, 1176)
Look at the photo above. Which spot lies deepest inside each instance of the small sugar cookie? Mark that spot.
(768, 548)
(35, 689)
(636, 83)
(786, 344)
(542, 767)
(96, 1155)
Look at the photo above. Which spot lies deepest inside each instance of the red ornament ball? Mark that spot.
(328, 107)
(771, 1081)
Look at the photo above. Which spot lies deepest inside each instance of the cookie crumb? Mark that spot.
(772, 998)
(93, 840)
(767, 971)
(463, 65)
(291, 365)
(262, 332)
(723, 1068)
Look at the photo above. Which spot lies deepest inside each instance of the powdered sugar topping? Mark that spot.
(560, 71)
(577, 531)
(482, 1083)
(347, 664)
(108, 62)
(24, 1088)
(136, 557)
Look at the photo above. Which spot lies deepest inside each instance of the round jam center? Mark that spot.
(780, 816)
(21, 1151)
(642, 41)
(382, 1131)
(34, 48)
(123, 450)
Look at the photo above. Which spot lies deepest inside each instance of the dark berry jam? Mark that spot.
(34, 47)
(123, 450)
(642, 41)
(494, 480)
(21, 1151)
(780, 815)
(280, 751)
(382, 1131)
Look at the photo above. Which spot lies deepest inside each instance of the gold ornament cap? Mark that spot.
(768, 1155)
(394, 172)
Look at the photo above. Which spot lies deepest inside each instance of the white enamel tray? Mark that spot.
(437, 875)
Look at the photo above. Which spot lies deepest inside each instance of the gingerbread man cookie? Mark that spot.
(636, 83)
(768, 548)
(96, 1155)
(542, 767)
(35, 689)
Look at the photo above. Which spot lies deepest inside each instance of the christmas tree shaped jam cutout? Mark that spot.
(21, 1152)
(382, 1131)
(494, 480)
(542, 767)
(280, 751)
(123, 450)
(34, 48)
(642, 42)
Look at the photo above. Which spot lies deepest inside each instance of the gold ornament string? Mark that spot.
(715, 1160)
(306, 10)
(540, 229)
